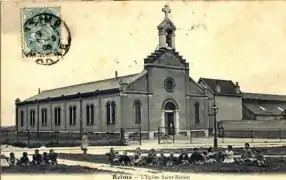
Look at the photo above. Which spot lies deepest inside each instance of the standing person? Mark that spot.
(84, 144)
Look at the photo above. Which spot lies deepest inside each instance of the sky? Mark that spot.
(241, 41)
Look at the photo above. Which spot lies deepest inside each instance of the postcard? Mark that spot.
(147, 90)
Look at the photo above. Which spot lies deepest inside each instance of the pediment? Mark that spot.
(165, 56)
(169, 60)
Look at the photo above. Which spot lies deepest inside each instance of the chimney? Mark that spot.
(39, 90)
(237, 88)
(217, 88)
(116, 75)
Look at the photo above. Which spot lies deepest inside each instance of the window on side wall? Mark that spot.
(44, 116)
(197, 113)
(89, 114)
(110, 112)
(72, 115)
(32, 118)
(21, 118)
(57, 116)
(137, 111)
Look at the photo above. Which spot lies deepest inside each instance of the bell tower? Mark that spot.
(166, 31)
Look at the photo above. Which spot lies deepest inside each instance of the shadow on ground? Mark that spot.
(42, 169)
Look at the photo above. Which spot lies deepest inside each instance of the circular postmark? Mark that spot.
(46, 38)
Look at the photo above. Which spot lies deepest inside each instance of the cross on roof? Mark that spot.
(166, 10)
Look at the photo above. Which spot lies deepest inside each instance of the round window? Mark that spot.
(169, 84)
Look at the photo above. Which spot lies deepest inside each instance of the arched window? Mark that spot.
(32, 118)
(22, 118)
(90, 114)
(108, 113)
(44, 117)
(72, 115)
(87, 114)
(57, 116)
(113, 112)
(137, 111)
(197, 113)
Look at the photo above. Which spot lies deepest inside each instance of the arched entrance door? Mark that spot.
(169, 112)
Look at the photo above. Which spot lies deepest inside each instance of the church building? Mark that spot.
(162, 95)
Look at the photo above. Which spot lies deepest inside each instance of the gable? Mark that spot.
(227, 87)
(194, 88)
(165, 56)
(169, 59)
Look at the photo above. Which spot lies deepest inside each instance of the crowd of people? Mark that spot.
(248, 156)
(37, 159)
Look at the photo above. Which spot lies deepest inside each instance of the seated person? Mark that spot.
(37, 158)
(124, 159)
(46, 159)
(219, 155)
(4, 161)
(229, 155)
(247, 155)
(161, 160)
(53, 157)
(12, 160)
(137, 156)
(196, 157)
(205, 155)
(24, 160)
(112, 157)
(151, 157)
(183, 158)
(210, 158)
(171, 160)
(260, 159)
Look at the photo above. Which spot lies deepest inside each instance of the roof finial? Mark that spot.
(166, 10)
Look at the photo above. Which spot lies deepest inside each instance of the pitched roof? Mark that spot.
(100, 85)
(268, 97)
(227, 87)
(265, 108)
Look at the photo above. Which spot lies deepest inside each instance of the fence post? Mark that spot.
(140, 136)
(252, 135)
(222, 135)
(280, 136)
(28, 137)
(122, 135)
(57, 137)
(190, 136)
(17, 136)
(159, 135)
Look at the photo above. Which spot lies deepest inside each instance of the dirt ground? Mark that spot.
(50, 169)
